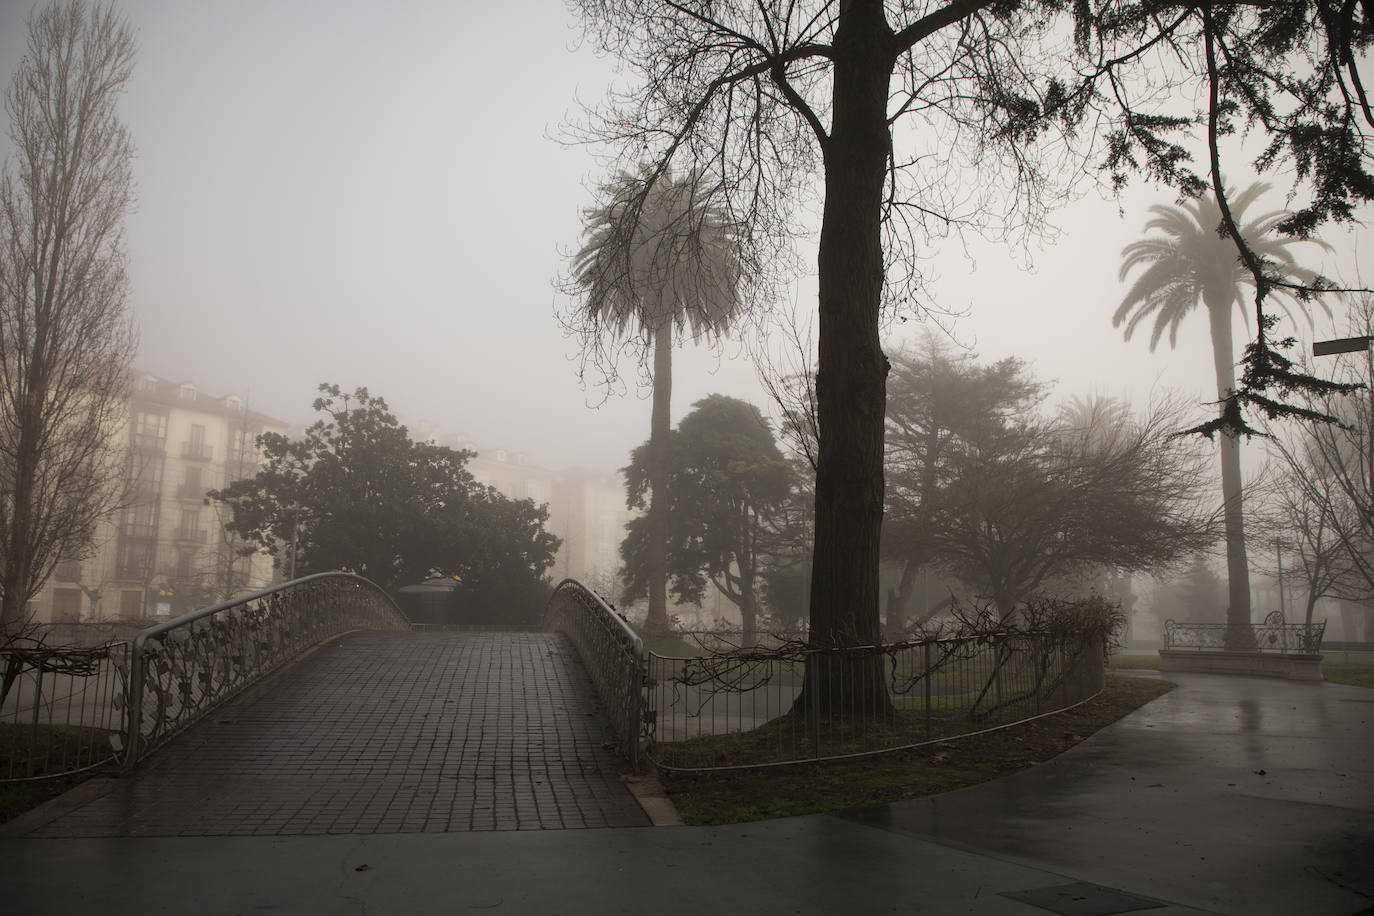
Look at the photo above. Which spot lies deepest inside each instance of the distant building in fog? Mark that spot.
(589, 514)
(168, 552)
(586, 509)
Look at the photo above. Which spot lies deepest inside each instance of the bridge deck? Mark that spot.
(385, 733)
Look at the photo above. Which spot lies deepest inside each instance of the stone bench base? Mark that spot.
(1292, 667)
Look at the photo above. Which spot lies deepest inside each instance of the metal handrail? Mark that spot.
(612, 653)
(209, 655)
(1274, 635)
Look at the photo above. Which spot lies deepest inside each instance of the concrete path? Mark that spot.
(384, 733)
(1234, 794)
(1166, 812)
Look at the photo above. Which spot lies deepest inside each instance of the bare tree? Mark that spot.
(1329, 471)
(66, 339)
(1300, 517)
(929, 118)
(1038, 501)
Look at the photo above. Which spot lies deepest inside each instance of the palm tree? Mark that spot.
(659, 261)
(1194, 261)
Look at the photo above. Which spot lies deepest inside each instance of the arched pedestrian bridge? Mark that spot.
(314, 709)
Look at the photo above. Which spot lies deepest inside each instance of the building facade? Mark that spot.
(167, 552)
(586, 510)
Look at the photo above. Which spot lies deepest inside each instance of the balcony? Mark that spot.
(132, 572)
(188, 492)
(146, 492)
(190, 535)
(150, 442)
(197, 451)
(140, 530)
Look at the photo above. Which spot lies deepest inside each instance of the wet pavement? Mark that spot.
(1229, 795)
(1233, 794)
(384, 733)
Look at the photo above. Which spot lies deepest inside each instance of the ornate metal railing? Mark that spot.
(612, 653)
(61, 708)
(180, 670)
(889, 697)
(1274, 635)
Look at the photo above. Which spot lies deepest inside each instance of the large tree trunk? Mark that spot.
(852, 376)
(659, 473)
(1238, 634)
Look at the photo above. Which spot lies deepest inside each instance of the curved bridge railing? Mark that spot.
(178, 671)
(1274, 635)
(612, 653)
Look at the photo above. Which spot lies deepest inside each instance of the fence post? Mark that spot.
(134, 705)
(925, 652)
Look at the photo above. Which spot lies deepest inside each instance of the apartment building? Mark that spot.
(589, 514)
(586, 509)
(168, 552)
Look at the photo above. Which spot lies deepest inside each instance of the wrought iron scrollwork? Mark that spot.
(182, 669)
(612, 653)
(1273, 635)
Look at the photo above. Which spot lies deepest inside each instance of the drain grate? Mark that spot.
(1083, 900)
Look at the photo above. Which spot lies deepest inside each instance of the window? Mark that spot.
(141, 521)
(193, 488)
(187, 392)
(148, 470)
(68, 571)
(233, 402)
(135, 561)
(195, 446)
(150, 429)
(66, 604)
(189, 528)
(146, 383)
(243, 451)
(131, 604)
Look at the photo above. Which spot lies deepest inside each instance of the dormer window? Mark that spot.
(146, 383)
(187, 392)
(233, 402)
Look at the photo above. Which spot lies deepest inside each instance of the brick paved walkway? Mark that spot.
(386, 733)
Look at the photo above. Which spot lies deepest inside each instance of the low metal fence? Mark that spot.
(180, 670)
(1273, 635)
(611, 652)
(798, 703)
(62, 709)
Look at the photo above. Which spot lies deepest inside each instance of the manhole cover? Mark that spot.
(1083, 900)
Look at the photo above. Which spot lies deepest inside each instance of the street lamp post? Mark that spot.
(1354, 345)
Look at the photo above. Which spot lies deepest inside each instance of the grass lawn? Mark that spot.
(1134, 658)
(730, 798)
(25, 750)
(18, 797)
(1354, 675)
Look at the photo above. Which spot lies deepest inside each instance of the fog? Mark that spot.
(370, 195)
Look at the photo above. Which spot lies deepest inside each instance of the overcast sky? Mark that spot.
(368, 194)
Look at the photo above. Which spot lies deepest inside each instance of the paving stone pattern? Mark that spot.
(386, 733)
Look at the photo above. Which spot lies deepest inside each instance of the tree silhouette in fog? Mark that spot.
(659, 262)
(1191, 262)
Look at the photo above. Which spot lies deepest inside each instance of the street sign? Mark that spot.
(1343, 345)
